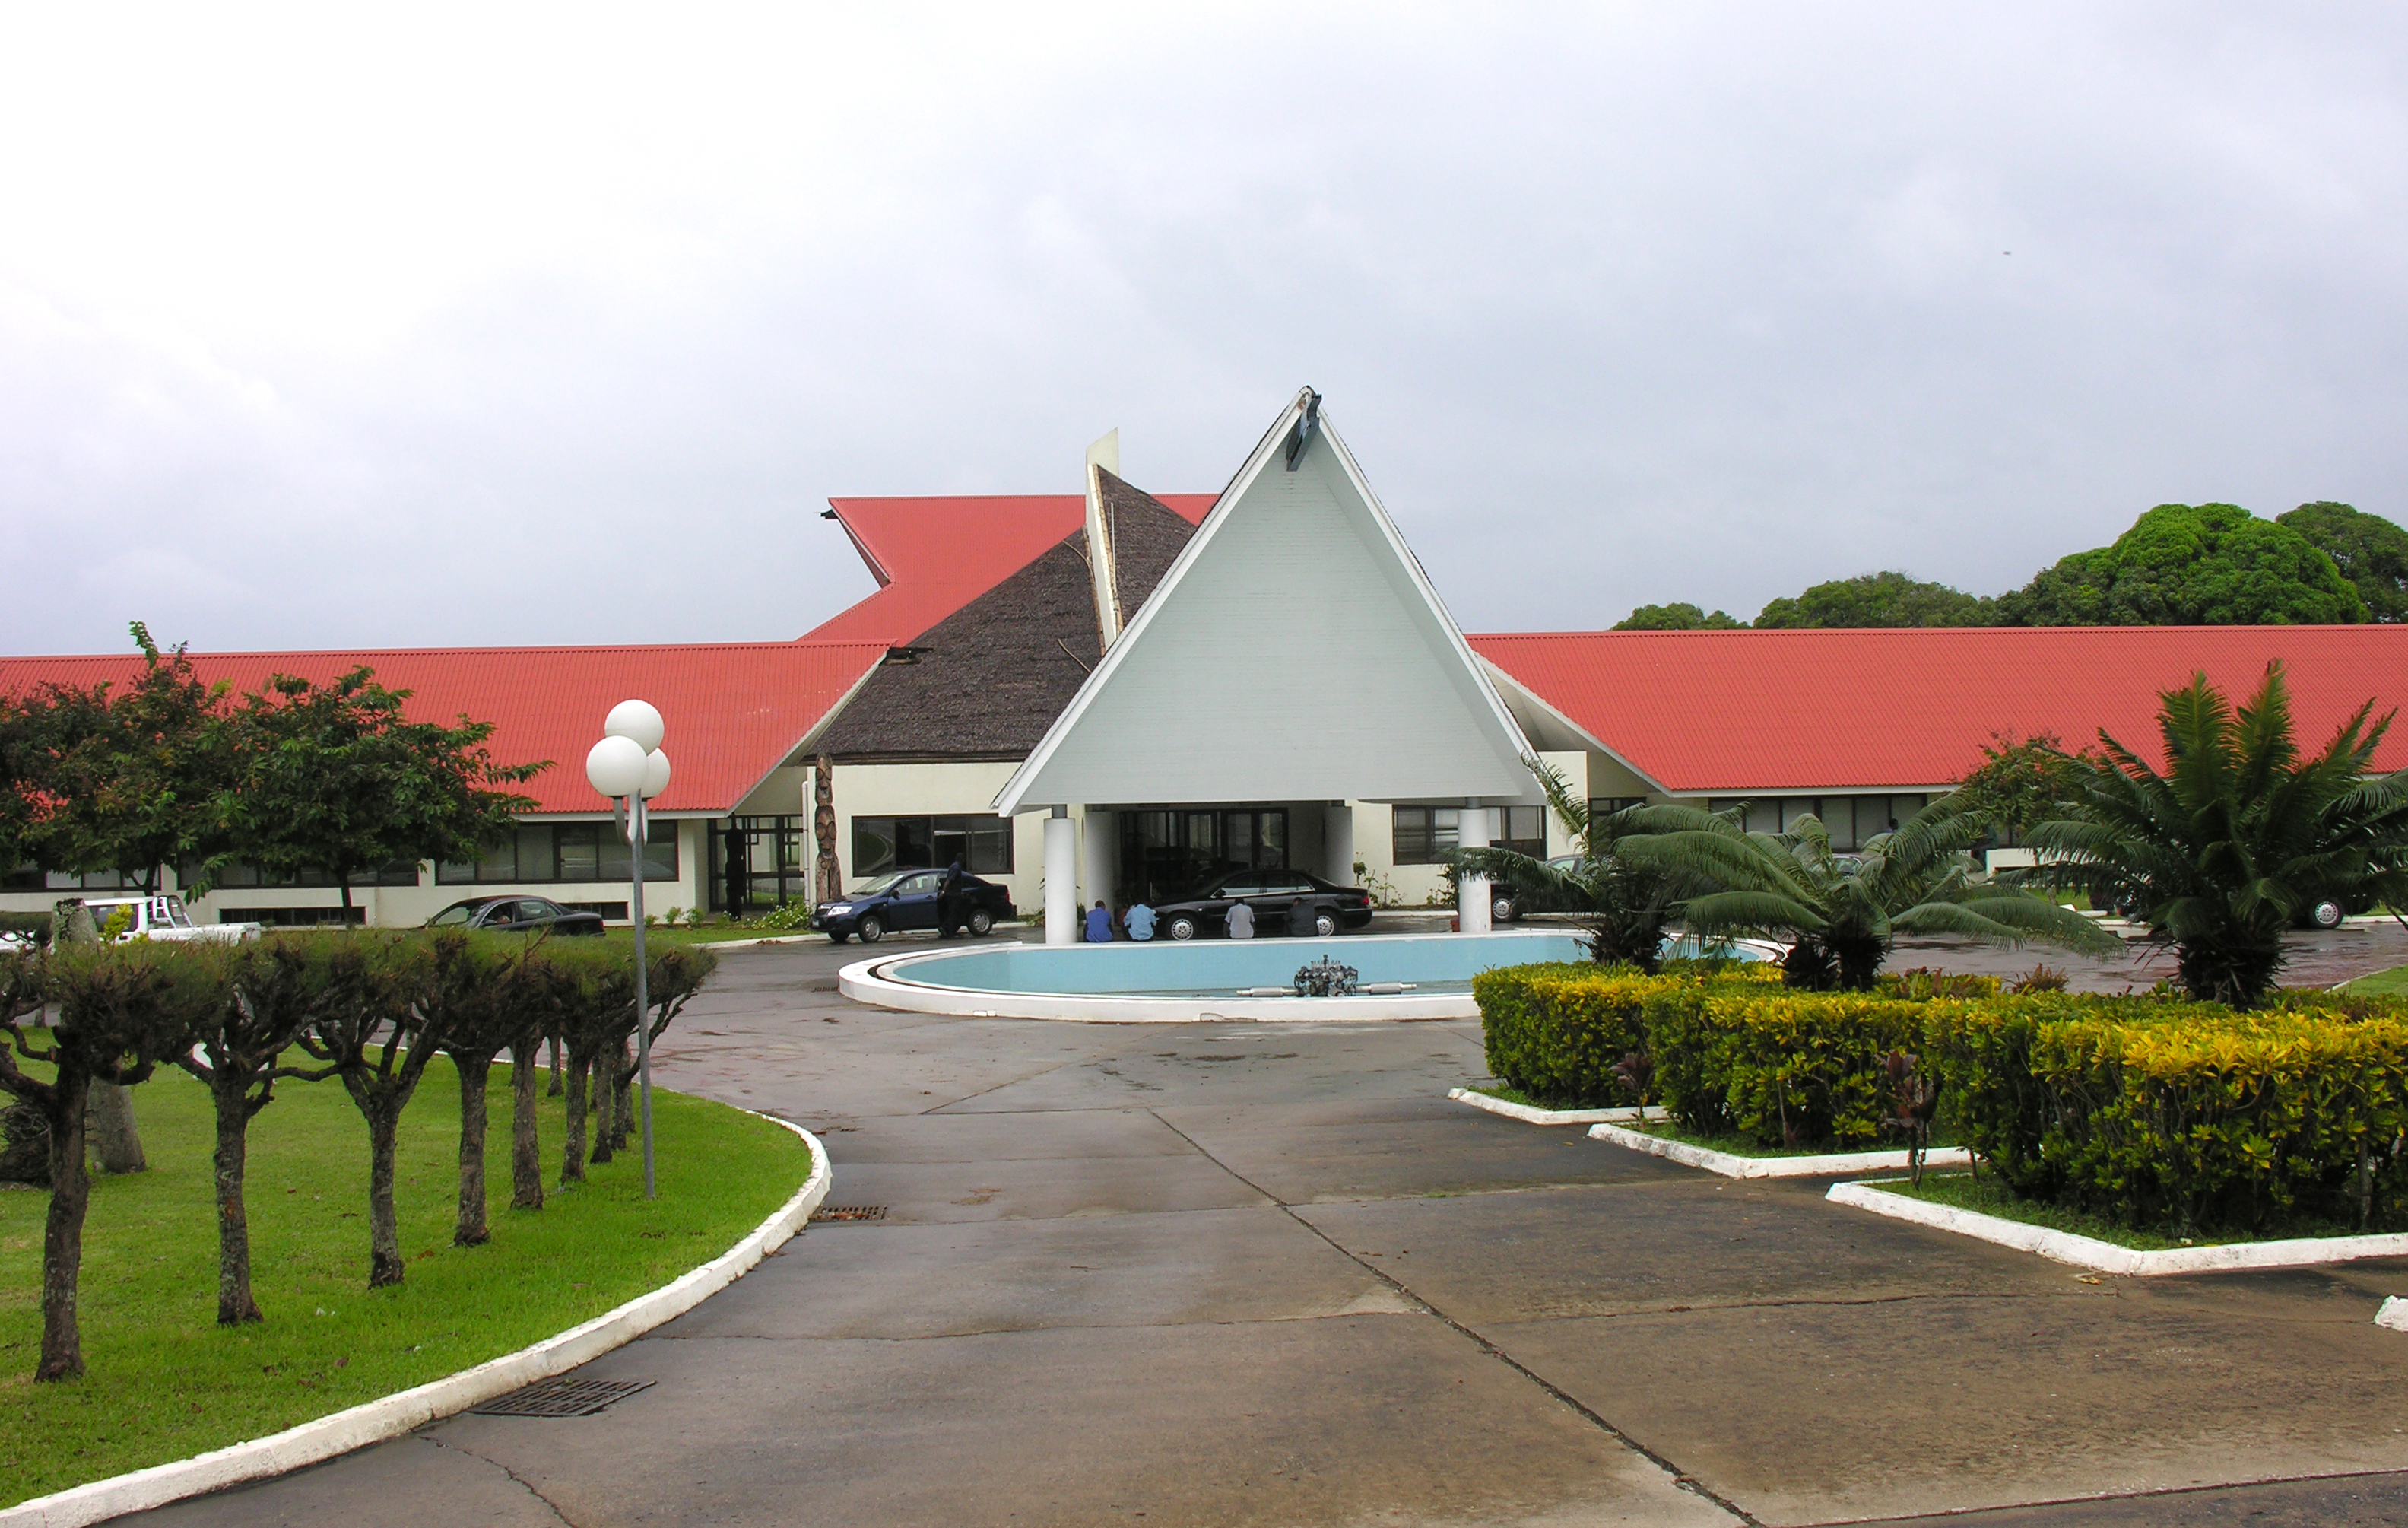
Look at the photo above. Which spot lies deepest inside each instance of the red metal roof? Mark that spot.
(931, 556)
(733, 711)
(1740, 711)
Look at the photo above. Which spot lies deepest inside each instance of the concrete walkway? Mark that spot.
(1237, 1274)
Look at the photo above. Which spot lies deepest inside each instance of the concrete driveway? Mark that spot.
(1248, 1273)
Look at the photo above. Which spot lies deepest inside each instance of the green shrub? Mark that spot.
(1556, 1031)
(785, 915)
(1792, 1069)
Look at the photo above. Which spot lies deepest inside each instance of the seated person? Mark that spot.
(1139, 921)
(1099, 924)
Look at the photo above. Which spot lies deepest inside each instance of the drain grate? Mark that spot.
(849, 1212)
(562, 1398)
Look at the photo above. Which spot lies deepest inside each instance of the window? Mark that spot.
(1606, 806)
(576, 852)
(1852, 821)
(1424, 835)
(241, 876)
(982, 843)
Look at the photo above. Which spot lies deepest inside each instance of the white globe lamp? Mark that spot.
(656, 773)
(616, 764)
(635, 720)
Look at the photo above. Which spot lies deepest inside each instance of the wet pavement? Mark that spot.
(1262, 1274)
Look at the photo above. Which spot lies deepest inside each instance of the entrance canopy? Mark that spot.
(1295, 651)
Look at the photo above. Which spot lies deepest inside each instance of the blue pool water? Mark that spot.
(1217, 968)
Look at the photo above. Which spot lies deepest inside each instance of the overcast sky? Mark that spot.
(502, 326)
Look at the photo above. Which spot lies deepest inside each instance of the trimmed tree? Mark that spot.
(120, 1011)
(2239, 833)
(376, 1030)
(673, 974)
(274, 990)
(335, 778)
(480, 997)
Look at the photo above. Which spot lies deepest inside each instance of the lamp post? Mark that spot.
(628, 767)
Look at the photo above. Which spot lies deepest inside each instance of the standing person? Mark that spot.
(1099, 924)
(1241, 921)
(948, 902)
(1141, 922)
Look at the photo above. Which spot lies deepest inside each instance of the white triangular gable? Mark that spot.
(1295, 651)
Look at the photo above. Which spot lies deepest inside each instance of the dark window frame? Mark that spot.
(507, 864)
(912, 841)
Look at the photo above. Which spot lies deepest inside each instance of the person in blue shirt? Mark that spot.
(1099, 924)
(1138, 921)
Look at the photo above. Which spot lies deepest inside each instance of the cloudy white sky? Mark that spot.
(510, 325)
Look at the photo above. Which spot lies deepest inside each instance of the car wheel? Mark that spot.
(1324, 924)
(836, 938)
(1502, 910)
(2326, 915)
(982, 924)
(871, 929)
(1183, 928)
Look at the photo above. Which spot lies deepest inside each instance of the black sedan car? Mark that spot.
(517, 915)
(907, 898)
(1271, 893)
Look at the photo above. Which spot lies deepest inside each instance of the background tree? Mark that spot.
(1677, 618)
(1842, 916)
(119, 1011)
(2019, 783)
(2191, 565)
(376, 1030)
(2371, 552)
(2223, 849)
(1626, 906)
(271, 992)
(1877, 600)
(124, 779)
(336, 779)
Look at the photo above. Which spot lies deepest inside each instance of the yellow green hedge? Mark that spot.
(2168, 1115)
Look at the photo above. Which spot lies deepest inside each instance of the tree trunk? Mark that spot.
(471, 1230)
(604, 1096)
(572, 1156)
(63, 1235)
(384, 1238)
(231, 1096)
(108, 1128)
(553, 1046)
(623, 1115)
(526, 1159)
(343, 879)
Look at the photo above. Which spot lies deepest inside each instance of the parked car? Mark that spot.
(907, 898)
(163, 918)
(517, 915)
(1270, 893)
(1505, 907)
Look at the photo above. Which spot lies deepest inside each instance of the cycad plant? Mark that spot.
(1624, 906)
(1840, 915)
(2222, 850)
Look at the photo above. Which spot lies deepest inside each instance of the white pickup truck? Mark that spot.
(163, 918)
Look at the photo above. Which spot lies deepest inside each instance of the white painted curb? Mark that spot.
(390, 1416)
(2394, 1313)
(1731, 1165)
(2107, 1258)
(1532, 1115)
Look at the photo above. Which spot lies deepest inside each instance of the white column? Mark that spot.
(1472, 902)
(1100, 848)
(1338, 842)
(1061, 878)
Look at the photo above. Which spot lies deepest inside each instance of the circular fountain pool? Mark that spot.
(1420, 976)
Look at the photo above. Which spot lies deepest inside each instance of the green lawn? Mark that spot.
(1989, 1196)
(164, 1380)
(2382, 983)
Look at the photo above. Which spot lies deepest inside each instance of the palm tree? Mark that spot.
(1841, 915)
(2221, 853)
(1626, 906)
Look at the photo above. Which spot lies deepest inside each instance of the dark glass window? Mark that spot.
(574, 853)
(239, 876)
(1523, 830)
(1424, 835)
(982, 843)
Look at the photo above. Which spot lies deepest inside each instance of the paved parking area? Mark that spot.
(1254, 1274)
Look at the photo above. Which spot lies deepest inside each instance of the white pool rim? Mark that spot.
(868, 981)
